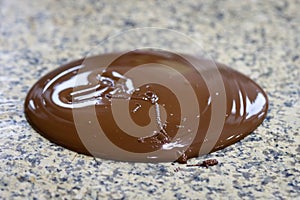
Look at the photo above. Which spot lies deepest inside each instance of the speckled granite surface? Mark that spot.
(260, 39)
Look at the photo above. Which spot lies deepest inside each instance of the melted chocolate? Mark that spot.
(145, 106)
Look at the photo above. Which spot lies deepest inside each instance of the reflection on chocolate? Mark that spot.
(145, 106)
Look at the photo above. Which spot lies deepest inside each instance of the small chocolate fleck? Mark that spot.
(205, 163)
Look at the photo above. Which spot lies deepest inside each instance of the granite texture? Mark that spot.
(259, 38)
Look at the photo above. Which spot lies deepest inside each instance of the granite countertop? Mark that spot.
(258, 38)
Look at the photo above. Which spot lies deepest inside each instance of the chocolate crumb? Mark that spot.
(205, 163)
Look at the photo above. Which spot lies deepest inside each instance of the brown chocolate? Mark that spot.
(205, 163)
(145, 106)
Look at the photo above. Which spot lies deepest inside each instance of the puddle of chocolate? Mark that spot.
(145, 106)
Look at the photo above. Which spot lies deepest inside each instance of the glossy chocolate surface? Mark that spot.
(145, 106)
